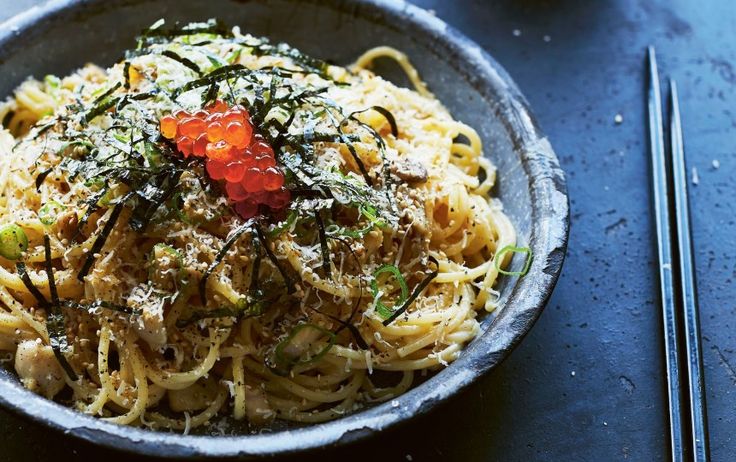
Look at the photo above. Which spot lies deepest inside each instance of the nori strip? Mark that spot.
(126, 75)
(247, 226)
(41, 177)
(184, 61)
(21, 268)
(323, 245)
(8, 117)
(55, 324)
(100, 241)
(287, 279)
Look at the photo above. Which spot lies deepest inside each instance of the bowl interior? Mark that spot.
(477, 91)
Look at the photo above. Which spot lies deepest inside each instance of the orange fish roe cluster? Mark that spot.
(224, 136)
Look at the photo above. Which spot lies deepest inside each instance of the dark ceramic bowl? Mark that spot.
(64, 34)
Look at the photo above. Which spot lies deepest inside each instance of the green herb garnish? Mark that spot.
(13, 241)
(50, 210)
(511, 248)
(417, 291)
(384, 311)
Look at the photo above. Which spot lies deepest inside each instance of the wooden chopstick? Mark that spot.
(687, 411)
(660, 185)
(688, 293)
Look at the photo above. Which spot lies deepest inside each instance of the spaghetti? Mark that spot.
(142, 296)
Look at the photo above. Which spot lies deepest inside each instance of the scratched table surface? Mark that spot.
(588, 381)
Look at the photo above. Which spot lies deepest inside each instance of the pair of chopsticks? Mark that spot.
(683, 352)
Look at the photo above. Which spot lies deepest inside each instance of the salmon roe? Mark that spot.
(233, 153)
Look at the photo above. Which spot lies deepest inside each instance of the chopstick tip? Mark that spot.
(673, 86)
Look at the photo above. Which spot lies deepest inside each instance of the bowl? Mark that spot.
(62, 35)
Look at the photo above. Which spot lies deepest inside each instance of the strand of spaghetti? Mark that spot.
(141, 386)
(18, 311)
(200, 419)
(451, 272)
(446, 355)
(116, 395)
(181, 380)
(239, 384)
(322, 379)
(469, 132)
(369, 56)
(347, 290)
(65, 285)
(322, 416)
(321, 396)
(6, 145)
(386, 393)
(290, 405)
(460, 313)
(103, 348)
(485, 186)
(506, 236)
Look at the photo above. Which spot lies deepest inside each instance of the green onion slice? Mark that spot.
(384, 311)
(284, 225)
(160, 250)
(511, 248)
(367, 211)
(50, 210)
(13, 241)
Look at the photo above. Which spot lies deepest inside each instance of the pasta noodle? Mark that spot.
(154, 300)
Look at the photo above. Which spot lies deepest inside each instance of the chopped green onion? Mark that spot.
(367, 211)
(215, 61)
(95, 183)
(233, 56)
(302, 347)
(52, 81)
(382, 309)
(50, 210)
(511, 248)
(160, 250)
(159, 266)
(152, 154)
(13, 241)
(122, 138)
(414, 295)
(284, 225)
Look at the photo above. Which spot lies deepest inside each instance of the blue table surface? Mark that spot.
(588, 381)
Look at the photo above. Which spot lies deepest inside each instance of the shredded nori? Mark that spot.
(23, 273)
(101, 238)
(41, 177)
(184, 61)
(234, 236)
(323, 245)
(94, 306)
(287, 279)
(7, 118)
(126, 75)
(55, 323)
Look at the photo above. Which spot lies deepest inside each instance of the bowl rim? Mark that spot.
(548, 240)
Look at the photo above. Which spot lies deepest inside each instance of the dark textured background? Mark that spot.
(587, 383)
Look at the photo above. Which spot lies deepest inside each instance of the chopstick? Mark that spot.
(688, 293)
(660, 186)
(687, 414)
